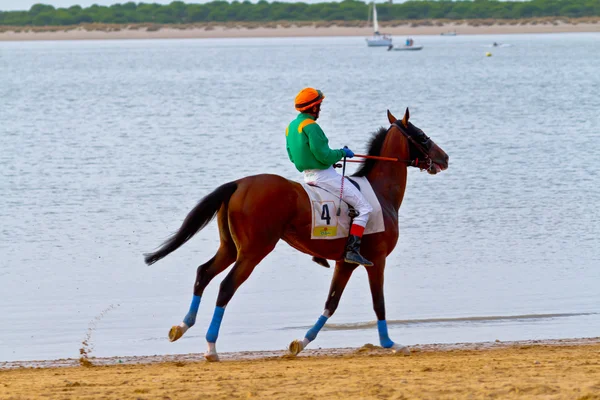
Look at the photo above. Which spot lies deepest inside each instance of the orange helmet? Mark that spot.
(307, 98)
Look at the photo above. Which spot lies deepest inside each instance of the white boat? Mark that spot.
(378, 39)
(406, 48)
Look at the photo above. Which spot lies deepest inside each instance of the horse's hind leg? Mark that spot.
(225, 256)
(341, 276)
(242, 269)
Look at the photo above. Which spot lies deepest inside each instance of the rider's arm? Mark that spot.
(289, 153)
(319, 145)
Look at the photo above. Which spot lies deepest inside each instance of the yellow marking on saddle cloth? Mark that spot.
(304, 123)
(325, 231)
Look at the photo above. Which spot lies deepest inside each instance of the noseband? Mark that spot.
(422, 142)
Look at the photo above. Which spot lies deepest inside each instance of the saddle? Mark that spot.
(352, 212)
(326, 224)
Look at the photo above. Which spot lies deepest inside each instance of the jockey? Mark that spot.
(308, 148)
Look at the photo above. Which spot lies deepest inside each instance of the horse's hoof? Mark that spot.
(175, 333)
(211, 357)
(400, 349)
(211, 353)
(296, 347)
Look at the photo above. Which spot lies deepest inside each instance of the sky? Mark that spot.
(10, 5)
(6, 5)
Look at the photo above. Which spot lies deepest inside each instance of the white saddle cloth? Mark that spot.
(324, 205)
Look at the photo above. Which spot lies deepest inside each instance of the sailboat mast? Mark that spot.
(375, 24)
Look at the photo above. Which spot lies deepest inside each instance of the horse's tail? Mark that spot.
(197, 219)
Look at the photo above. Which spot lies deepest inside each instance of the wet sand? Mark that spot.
(214, 31)
(559, 369)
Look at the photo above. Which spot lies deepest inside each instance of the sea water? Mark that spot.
(105, 146)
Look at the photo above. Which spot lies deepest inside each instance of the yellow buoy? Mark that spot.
(488, 54)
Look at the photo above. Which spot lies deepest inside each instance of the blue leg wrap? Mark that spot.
(312, 332)
(190, 318)
(384, 338)
(215, 324)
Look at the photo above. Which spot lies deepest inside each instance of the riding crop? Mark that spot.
(339, 210)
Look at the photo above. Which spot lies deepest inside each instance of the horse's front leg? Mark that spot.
(341, 275)
(376, 283)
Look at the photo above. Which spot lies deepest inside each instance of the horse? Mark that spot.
(255, 212)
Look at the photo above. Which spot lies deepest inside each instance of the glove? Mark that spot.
(348, 153)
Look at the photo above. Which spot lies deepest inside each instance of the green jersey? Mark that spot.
(307, 146)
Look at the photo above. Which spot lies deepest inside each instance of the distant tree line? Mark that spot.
(179, 12)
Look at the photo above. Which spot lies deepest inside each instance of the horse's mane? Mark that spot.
(375, 145)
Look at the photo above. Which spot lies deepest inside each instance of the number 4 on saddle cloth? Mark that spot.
(325, 222)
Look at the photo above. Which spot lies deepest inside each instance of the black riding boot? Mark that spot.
(352, 252)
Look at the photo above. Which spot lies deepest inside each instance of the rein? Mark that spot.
(425, 164)
(421, 164)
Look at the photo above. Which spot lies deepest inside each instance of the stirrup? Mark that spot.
(353, 212)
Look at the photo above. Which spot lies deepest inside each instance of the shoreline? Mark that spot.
(286, 29)
(282, 354)
(559, 369)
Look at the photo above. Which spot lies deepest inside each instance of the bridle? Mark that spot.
(423, 144)
(418, 138)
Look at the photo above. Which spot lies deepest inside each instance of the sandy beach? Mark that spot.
(551, 369)
(477, 27)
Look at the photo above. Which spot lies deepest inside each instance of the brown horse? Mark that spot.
(255, 212)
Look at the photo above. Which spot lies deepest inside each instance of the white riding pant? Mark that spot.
(330, 180)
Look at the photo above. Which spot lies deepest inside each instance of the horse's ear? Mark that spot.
(405, 118)
(391, 118)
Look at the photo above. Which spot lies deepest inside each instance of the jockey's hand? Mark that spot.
(349, 153)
